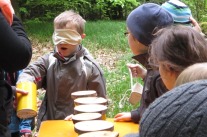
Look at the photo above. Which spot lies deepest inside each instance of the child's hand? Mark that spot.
(28, 133)
(69, 117)
(35, 134)
(137, 70)
(125, 116)
(23, 92)
(195, 24)
(7, 10)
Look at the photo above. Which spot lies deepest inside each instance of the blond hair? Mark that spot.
(194, 72)
(70, 20)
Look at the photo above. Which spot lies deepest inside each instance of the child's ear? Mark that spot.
(83, 35)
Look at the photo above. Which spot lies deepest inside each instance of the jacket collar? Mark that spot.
(73, 57)
(143, 59)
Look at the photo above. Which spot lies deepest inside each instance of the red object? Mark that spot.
(7, 10)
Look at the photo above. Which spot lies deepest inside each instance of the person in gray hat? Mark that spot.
(179, 113)
(142, 23)
(175, 49)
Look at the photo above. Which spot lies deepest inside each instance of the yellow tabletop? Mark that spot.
(61, 128)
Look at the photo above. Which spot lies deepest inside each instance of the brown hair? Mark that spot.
(194, 72)
(178, 47)
(70, 19)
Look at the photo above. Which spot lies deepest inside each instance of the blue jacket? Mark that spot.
(19, 125)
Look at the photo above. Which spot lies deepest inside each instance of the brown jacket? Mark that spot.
(152, 89)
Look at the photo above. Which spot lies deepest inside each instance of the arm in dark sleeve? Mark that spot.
(135, 115)
(153, 88)
(6, 106)
(16, 50)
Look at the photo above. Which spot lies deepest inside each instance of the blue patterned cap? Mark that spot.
(180, 12)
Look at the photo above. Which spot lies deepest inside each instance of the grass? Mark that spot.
(103, 38)
(106, 34)
(118, 88)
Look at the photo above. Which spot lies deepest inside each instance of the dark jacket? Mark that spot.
(15, 54)
(152, 89)
(16, 50)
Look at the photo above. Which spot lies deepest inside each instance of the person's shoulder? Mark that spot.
(46, 55)
(88, 56)
(154, 82)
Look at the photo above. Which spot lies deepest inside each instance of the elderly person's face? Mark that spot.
(168, 75)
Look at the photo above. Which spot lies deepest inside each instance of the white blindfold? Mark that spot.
(66, 36)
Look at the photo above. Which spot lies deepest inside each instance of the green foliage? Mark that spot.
(204, 27)
(90, 9)
(40, 30)
(198, 8)
(46, 10)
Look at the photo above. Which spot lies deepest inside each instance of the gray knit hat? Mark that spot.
(143, 20)
(181, 112)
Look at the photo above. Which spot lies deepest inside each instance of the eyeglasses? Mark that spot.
(126, 33)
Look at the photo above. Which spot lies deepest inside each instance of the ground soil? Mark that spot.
(104, 57)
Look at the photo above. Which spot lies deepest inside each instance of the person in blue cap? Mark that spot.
(182, 14)
(142, 23)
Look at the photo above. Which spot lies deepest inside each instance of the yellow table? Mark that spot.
(61, 128)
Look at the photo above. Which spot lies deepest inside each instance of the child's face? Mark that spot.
(136, 47)
(66, 49)
(67, 41)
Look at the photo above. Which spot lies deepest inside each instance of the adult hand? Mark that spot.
(7, 10)
(69, 117)
(195, 24)
(137, 70)
(124, 116)
(23, 92)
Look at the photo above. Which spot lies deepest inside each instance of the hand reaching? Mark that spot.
(195, 24)
(21, 92)
(7, 10)
(137, 70)
(26, 135)
(124, 116)
(69, 117)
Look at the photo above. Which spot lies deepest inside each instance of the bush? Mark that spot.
(46, 10)
(204, 27)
